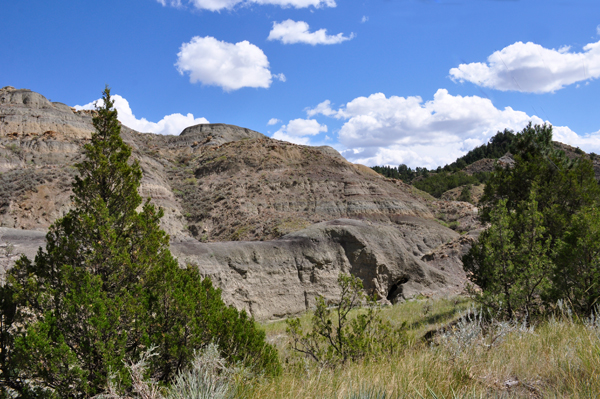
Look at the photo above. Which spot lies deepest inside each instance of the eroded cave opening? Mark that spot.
(395, 291)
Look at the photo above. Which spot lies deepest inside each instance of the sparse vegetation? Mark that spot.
(15, 184)
(454, 351)
(438, 183)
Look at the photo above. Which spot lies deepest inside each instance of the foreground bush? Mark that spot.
(207, 377)
(107, 288)
(335, 337)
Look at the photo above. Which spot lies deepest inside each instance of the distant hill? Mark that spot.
(471, 169)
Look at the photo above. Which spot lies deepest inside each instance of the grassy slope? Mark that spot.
(559, 358)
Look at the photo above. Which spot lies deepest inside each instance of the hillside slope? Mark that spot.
(226, 192)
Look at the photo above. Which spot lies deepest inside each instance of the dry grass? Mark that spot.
(558, 358)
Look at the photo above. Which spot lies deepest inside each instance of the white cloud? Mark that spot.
(364, 19)
(381, 130)
(529, 67)
(297, 130)
(290, 32)
(589, 142)
(598, 29)
(281, 135)
(280, 76)
(170, 124)
(273, 121)
(323, 108)
(217, 5)
(172, 3)
(230, 66)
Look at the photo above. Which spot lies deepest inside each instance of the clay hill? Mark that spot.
(272, 223)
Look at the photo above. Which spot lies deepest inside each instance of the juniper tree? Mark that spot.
(107, 287)
(544, 240)
(512, 269)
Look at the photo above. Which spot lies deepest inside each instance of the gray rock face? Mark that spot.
(224, 183)
(279, 278)
(273, 279)
(15, 242)
(215, 134)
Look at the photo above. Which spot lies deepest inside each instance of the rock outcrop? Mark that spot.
(24, 112)
(278, 278)
(282, 277)
(272, 223)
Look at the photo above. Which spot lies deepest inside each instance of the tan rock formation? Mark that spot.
(272, 223)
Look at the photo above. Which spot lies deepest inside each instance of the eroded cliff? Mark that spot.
(272, 223)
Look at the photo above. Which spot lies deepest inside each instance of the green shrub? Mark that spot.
(465, 194)
(438, 183)
(335, 337)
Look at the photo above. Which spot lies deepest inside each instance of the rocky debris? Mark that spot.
(506, 160)
(253, 189)
(332, 152)
(453, 194)
(483, 165)
(14, 243)
(448, 256)
(460, 216)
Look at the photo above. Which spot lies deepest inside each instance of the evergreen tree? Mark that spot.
(577, 276)
(546, 205)
(512, 269)
(107, 287)
(465, 194)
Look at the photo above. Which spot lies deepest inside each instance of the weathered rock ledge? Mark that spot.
(279, 278)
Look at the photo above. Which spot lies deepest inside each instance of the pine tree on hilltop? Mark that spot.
(107, 287)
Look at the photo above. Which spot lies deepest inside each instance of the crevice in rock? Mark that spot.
(395, 291)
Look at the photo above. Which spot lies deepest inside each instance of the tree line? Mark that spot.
(497, 146)
(439, 180)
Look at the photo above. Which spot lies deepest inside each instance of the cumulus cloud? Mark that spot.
(230, 66)
(298, 131)
(529, 67)
(380, 130)
(273, 121)
(364, 19)
(217, 5)
(323, 108)
(170, 124)
(290, 32)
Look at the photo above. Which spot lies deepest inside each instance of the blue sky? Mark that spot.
(385, 81)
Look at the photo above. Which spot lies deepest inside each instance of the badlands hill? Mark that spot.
(272, 223)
